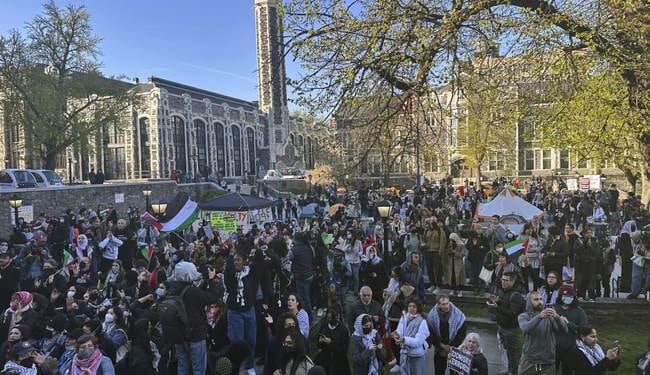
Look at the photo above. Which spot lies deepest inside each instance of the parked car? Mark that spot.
(46, 178)
(272, 174)
(293, 173)
(16, 179)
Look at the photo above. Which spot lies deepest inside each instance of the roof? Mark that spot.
(235, 202)
(200, 94)
(508, 203)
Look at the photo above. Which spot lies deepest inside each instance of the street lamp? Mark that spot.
(15, 203)
(384, 209)
(146, 194)
(309, 183)
(159, 208)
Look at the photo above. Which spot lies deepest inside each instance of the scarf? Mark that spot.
(13, 367)
(594, 355)
(411, 329)
(112, 276)
(239, 276)
(91, 364)
(456, 320)
(373, 366)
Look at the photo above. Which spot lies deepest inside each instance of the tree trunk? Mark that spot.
(632, 176)
(478, 177)
(645, 168)
(50, 160)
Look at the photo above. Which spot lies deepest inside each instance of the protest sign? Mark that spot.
(459, 361)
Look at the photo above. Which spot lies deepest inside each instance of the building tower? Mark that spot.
(271, 78)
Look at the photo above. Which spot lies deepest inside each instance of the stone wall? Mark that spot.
(54, 201)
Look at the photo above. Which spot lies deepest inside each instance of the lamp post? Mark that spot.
(159, 209)
(15, 203)
(146, 194)
(384, 209)
(309, 183)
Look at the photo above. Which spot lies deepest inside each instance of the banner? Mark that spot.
(459, 361)
(26, 212)
(585, 183)
(572, 184)
(224, 221)
(263, 215)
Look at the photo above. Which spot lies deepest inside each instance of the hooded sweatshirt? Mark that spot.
(539, 336)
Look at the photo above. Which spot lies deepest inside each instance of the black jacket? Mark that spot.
(250, 282)
(509, 305)
(196, 299)
(302, 264)
(578, 364)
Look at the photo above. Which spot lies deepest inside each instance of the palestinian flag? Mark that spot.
(516, 248)
(68, 256)
(147, 252)
(147, 217)
(181, 213)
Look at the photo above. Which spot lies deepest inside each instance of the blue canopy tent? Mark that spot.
(309, 211)
(235, 202)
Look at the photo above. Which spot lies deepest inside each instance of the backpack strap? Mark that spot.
(182, 313)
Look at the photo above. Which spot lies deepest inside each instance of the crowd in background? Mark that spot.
(92, 292)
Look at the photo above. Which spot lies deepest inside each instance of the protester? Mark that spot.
(366, 350)
(411, 335)
(447, 326)
(472, 345)
(588, 358)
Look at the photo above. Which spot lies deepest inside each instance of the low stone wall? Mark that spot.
(54, 201)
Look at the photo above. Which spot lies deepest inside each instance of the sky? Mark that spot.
(208, 44)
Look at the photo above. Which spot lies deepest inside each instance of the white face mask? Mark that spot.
(109, 318)
(71, 293)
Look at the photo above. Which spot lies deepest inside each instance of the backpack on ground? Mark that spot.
(176, 327)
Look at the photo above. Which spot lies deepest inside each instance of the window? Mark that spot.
(178, 126)
(38, 177)
(564, 159)
(221, 148)
(529, 160)
(142, 154)
(250, 139)
(5, 178)
(236, 146)
(201, 146)
(546, 159)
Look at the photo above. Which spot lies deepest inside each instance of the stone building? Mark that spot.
(201, 133)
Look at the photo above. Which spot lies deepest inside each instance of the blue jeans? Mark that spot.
(242, 326)
(303, 289)
(192, 358)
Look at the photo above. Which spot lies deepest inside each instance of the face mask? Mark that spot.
(567, 300)
(366, 330)
(85, 353)
(27, 362)
(3, 248)
(70, 348)
(499, 249)
(109, 318)
(71, 293)
(174, 258)
(160, 292)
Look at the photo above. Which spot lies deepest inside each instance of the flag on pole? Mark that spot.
(147, 252)
(516, 246)
(68, 257)
(147, 217)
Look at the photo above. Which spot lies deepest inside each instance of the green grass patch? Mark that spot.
(632, 338)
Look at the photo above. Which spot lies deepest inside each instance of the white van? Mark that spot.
(16, 179)
(46, 178)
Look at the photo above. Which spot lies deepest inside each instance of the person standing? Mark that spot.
(509, 304)
(539, 325)
(366, 350)
(447, 326)
(411, 335)
(302, 267)
(435, 240)
(100, 177)
(586, 257)
(92, 176)
(191, 352)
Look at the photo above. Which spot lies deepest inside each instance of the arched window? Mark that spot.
(201, 147)
(309, 162)
(141, 147)
(292, 139)
(178, 125)
(221, 147)
(236, 150)
(250, 138)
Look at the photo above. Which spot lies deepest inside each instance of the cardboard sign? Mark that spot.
(572, 184)
(585, 183)
(263, 215)
(119, 197)
(224, 221)
(459, 361)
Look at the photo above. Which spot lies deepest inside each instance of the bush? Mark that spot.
(298, 190)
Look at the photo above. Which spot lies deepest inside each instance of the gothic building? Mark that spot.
(196, 131)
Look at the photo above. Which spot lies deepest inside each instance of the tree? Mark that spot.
(52, 85)
(415, 46)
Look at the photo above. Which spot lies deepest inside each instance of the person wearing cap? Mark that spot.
(567, 305)
(21, 359)
(9, 274)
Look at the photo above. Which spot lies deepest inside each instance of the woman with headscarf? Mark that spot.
(114, 279)
(452, 259)
(366, 349)
(373, 272)
(411, 335)
(412, 269)
(20, 311)
(588, 358)
(83, 248)
(89, 359)
(333, 340)
(472, 345)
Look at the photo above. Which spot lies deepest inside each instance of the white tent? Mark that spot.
(508, 203)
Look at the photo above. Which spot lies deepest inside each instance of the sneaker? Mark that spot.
(431, 289)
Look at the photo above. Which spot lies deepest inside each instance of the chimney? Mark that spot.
(136, 80)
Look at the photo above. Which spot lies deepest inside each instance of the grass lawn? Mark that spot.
(632, 337)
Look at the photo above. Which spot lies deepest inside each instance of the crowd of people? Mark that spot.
(106, 293)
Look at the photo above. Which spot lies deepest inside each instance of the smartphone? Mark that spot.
(617, 345)
(549, 305)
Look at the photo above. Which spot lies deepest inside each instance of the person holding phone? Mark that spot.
(366, 350)
(588, 358)
(411, 335)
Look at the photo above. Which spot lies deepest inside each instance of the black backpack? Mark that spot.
(175, 323)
